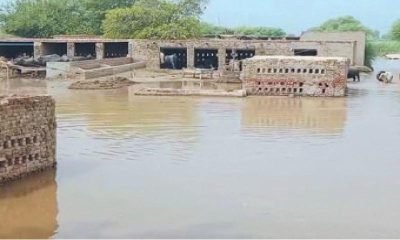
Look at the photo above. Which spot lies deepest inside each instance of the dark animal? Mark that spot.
(354, 74)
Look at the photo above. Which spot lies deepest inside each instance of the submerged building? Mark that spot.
(194, 53)
(299, 76)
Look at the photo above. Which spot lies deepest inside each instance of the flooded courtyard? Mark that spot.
(204, 167)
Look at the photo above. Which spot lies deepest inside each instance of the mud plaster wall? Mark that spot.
(149, 50)
(298, 76)
(27, 135)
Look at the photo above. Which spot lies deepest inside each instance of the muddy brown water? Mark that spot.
(178, 167)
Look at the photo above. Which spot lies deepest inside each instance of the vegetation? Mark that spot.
(384, 47)
(259, 31)
(346, 24)
(44, 18)
(98, 9)
(155, 19)
(210, 29)
(350, 24)
(395, 31)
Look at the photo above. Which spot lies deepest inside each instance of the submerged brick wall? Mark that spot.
(27, 135)
(299, 76)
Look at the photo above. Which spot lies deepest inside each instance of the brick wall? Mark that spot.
(301, 76)
(27, 135)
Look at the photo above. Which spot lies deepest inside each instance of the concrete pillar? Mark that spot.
(70, 49)
(221, 58)
(99, 51)
(130, 49)
(190, 57)
(37, 50)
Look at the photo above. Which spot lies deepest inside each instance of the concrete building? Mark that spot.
(27, 135)
(358, 39)
(72, 46)
(301, 76)
(218, 52)
(195, 52)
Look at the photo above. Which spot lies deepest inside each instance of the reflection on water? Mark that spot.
(204, 85)
(322, 114)
(28, 208)
(198, 167)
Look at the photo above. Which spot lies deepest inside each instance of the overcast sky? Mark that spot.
(295, 16)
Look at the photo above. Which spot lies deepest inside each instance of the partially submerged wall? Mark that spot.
(298, 76)
(150, 50)
(27, 135)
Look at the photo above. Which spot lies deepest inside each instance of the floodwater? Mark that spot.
(182, 167)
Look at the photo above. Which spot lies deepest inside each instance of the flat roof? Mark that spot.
(61, 40)
(306, 58)
(202, 40)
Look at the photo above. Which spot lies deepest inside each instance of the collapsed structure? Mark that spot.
(27, 135)
(301, 76)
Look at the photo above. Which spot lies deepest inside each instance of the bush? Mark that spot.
(395, 31)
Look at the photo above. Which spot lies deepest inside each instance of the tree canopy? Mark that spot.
(210, 29)
(45, 18)
(155, 19)
(118, 18)
(395, 31)
(259, 31)
(346, 24)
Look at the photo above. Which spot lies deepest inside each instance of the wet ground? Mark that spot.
(196, 167)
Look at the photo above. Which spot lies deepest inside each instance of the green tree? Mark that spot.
(210, 29)
(193, 7)
(152, 19)
(45, 18)
(346, 24)
(395, 31)
(97, 9)
(350, 24)
(259, 31)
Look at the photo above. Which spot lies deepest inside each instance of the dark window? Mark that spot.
(207, 59)
(305, 52)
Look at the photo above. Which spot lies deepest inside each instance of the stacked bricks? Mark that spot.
(297, 76)
(27, 135)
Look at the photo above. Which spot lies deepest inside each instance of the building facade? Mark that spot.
(298, 76)
(218, 52)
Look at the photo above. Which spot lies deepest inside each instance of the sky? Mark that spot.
(295, 16)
